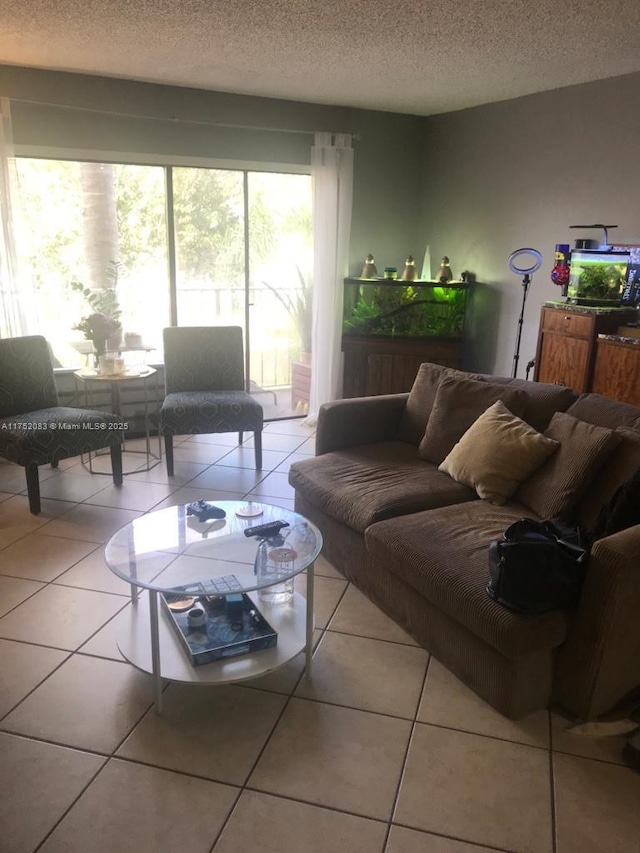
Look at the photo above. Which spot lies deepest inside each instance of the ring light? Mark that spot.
(519, 267)
(520, 263)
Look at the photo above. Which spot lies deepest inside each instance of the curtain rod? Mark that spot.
(171, 119)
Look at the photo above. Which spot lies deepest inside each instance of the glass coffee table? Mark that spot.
(164, 551)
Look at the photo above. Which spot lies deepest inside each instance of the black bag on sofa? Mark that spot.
(537, 566)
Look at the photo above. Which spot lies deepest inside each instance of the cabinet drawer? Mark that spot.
(580, 325)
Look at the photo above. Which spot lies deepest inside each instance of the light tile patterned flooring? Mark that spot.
(383, 750)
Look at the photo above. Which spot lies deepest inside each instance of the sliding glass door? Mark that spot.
(243, 257)
(191, 246)
(280, 269)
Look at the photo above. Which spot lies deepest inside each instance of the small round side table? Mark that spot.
(88, 377)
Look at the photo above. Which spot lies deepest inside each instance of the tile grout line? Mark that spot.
(72, 804)
(33, 689)
(368, 636)
(244, 787)
(107, 758)
(479, 844)
(403, 768)
(287, 702)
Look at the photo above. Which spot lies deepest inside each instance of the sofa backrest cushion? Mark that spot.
(622, 463)
(420, 402)
(558, 485)
(544, 400)
(497, 453)
(458, 403)
(595, 409)
(423, 393)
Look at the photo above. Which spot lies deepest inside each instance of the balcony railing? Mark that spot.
(274, 339)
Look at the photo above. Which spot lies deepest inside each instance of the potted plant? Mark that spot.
(102, 326)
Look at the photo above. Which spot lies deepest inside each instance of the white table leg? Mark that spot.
(309, 646)
(155, 649)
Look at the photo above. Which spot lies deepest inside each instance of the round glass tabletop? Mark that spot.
(174, 550)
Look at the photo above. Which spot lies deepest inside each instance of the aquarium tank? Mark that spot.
(392, 308)
(597, 277)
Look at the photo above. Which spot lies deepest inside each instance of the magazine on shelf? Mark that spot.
(218, 633)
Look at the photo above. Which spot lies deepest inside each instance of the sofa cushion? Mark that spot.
(624, 460)
(423, 392)
(559, 484)
(458, 403)
(362, 485)
(497, 453)
(601, 411)
(443, 555)
(544, 399)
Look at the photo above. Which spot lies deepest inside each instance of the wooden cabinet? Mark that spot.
(389, 365)
(391, 327)
(567, 342)
(617, 370)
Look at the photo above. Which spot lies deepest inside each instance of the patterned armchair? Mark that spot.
(34, 429)
(205, 387)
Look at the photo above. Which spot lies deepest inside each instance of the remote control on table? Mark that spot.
(266, 531)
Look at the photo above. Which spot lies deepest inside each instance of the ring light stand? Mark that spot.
(521, 264)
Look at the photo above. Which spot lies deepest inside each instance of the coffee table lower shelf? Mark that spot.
(134, 642)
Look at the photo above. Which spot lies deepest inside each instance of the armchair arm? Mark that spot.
(600, 661)
(358, 420)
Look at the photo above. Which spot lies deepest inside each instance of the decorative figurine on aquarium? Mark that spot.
(369, 269)
(560, 271)
(409, 272)
(444, 274)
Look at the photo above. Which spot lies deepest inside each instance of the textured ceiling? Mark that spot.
(399, 55)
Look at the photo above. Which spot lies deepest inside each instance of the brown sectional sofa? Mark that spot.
(416, 542)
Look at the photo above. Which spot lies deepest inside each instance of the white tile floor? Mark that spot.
(384, 751)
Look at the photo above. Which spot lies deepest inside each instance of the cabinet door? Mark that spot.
(391, 374)
(564, 361)
(617, 371)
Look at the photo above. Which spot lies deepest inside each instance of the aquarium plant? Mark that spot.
(397, 310)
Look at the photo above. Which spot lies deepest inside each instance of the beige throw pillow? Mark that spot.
(497, 453)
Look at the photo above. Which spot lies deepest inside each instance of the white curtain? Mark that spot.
(12, 318)
(332, 177)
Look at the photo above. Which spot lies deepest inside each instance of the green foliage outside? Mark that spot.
(208, 208)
